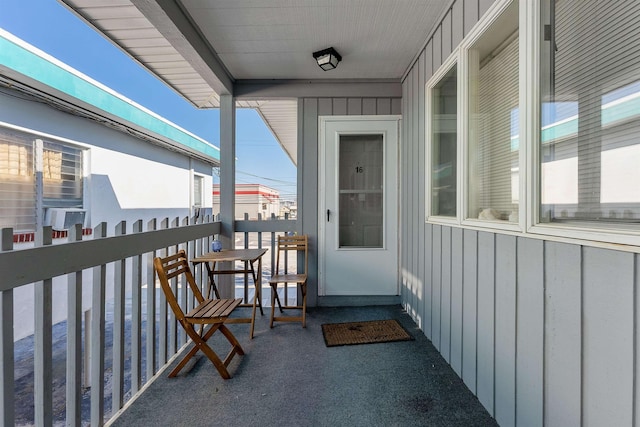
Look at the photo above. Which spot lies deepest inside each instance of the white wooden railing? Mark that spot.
(120, 263)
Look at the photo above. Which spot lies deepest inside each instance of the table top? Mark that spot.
(230, 255)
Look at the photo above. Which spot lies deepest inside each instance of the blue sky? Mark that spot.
(50, 27)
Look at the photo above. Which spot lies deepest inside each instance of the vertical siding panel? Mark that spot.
(428, 287)
(636, 391)
(396, 106)
(446, 35)
(410, 146)
(563, 332)
(437, 48)
(420, 217)
(457, 23)
(436, 283)
(384, 104)
(445, 311)
(324, 107)
(369, 105)
(456, 300)
(470, 308)
(415, 195)
(483, 6)
(354, 106)
(530, 333)
(486, 320)
(403, 196)
(428, 61)
(470, 15)
(505, 330)
(339, 106)
(607, 337)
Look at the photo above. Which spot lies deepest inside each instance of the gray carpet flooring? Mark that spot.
(288, 377)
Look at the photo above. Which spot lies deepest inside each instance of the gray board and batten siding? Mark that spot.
(309, 109)
(544, 333)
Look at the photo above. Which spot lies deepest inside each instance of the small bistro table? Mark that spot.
(249, 257)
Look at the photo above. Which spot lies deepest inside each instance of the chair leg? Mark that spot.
(197, 345)
(200, 343)
(303, 290)
(273, 304)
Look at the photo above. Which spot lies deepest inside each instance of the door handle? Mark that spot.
(328, 215)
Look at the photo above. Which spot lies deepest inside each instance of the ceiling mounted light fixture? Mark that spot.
(327, 59)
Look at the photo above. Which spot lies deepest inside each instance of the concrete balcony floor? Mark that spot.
(288, 377)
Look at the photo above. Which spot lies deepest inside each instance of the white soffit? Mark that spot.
(281, 117)
(129, 29)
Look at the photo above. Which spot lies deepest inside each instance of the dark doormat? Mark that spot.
(368, 332)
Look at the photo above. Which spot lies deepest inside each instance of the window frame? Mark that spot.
(602, 234)
(85, 158)
(452, 61)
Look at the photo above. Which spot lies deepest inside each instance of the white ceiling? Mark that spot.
(201, 47)
(257, 39)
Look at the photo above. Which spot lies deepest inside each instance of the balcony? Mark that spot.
(108, 364)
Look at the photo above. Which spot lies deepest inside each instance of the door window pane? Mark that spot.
(443, 145)
(361, 192)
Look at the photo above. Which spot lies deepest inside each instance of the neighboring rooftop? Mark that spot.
(23, 66)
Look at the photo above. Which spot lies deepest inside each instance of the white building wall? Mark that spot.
(126, 179)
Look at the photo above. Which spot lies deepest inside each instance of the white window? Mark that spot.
(442, 96)
(61, 177)
(198, 194)
(590, 112)
(493, 178)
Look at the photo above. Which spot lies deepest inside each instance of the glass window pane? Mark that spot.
(493, 121)
(444, 145)
(17, 198)
(361, 192)
(62, 175)
(590, 109)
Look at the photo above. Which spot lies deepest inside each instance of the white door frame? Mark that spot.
(393, 192)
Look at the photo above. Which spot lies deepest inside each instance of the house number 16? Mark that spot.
(359, 169)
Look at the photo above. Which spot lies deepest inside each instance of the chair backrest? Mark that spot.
(174, 266)
(291, 243)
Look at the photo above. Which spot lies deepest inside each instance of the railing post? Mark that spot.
(119, 279)
(86, 377)
(246, 275)
(136, 317)
(162, 303)
(97, 335)
(7, 363)
(151, 309)
(43, 363)
(173, 323)
(74, 339)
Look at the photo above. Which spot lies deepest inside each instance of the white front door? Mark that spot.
(358, 200)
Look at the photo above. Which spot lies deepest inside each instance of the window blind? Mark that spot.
(493, 133)
(590, 149)
(17, 184)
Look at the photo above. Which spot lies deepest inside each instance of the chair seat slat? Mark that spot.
(288, 278)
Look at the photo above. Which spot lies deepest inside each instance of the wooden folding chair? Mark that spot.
(287, 244)
(213, 312)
